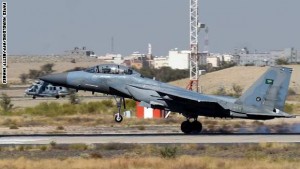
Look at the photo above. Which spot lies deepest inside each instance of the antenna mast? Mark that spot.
(194, 58)
(112, 45)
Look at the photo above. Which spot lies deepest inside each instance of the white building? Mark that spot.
(213, 60)
(222, 57)
(266, 58)
(114, 58)
(227, 58)
(136, 55)
(159, 62)
(179, 59)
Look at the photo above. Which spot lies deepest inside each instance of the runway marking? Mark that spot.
(20, 140)
(151, 139)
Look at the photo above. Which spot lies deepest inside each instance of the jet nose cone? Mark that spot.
(56, 79)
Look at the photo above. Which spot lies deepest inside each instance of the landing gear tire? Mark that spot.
(118, 118)
(196, 126)
(33, 97)
(188, 127)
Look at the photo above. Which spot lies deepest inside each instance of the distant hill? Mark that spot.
(241, 75)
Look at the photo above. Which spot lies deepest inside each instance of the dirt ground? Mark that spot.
(20, 100)
(240, 75)
(22, 64)
(90, 124)
(116, 150)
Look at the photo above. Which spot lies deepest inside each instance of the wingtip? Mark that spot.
(293, 116)
(290, 116)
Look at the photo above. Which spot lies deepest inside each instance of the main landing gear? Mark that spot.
(188, 127)
(118, 116)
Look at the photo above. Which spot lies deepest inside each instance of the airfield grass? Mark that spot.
(100, 113)
(61, 124)
(66, 124)
(82, 120)
(141, 156)
(183, 162)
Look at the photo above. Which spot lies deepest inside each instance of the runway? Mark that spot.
(151, 138)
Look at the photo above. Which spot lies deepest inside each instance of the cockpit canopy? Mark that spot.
(111, 69)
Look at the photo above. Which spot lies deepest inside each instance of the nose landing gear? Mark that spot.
(118, 116)
(188, 127)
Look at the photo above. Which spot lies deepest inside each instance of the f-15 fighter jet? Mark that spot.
(265, 99)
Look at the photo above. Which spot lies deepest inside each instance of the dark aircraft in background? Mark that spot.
(45, 89)
(264, 100)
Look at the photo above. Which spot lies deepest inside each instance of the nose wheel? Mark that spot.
(118, 116)
(188, 127)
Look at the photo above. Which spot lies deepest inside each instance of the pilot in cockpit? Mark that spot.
(108, 69)
(97, 69)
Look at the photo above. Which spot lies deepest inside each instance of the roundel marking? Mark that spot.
(258, 99)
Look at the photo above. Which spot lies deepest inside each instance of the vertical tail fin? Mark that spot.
(269, 91)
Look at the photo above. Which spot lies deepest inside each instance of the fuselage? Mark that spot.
(124, 82)
(144, 90)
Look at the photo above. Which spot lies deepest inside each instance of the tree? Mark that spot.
(73, 61)
(5, 103)
(249, 64)
(76, 69)
(237, 90)
(281, 61)
(291, 92)
(34, 74)
(47, 68)
(4, 86)
(221, 91)
(164, 74)
(23, 77)
(73, 98)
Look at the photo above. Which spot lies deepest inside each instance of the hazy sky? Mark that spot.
(51, 27)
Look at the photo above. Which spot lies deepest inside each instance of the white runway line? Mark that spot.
(153, 139)
(23, 140)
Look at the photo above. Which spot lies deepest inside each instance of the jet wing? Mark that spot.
(115, 91)
(190, 100)
(183, 96)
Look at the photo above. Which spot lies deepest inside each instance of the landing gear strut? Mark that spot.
(188, 127)
(118, 116)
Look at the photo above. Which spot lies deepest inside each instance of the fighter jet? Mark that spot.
(45, 89)
(264, 100)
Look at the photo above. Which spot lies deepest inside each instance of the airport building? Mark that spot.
(244, 57)
(81, 52)
(213, 61)
(113, 58)
(159, 62)
(179, 59)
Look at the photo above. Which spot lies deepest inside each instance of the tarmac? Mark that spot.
(149, 138)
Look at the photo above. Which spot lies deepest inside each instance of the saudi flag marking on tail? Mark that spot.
(269, 81)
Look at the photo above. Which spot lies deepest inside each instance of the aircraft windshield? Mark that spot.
(111, 69)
